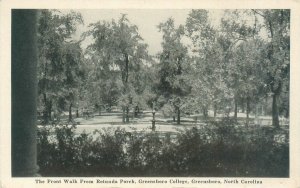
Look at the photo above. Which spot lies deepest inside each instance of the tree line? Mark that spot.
(240, 63)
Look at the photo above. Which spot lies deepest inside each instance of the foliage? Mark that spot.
(222, 148)
(118, 53)
(203, 66)
(246, 57)
(174, 63)
(210, 72)
(276, 54)
(59, 65)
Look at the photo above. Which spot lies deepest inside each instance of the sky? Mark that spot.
(146, 20)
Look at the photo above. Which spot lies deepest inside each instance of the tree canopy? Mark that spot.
(203, 66)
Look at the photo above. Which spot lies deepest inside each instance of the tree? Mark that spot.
(120, 43)
(173, 63)
(74, 73)
(54, 31)
(276, 54)
(240, 29)
(246, 72)
(103, 84)
(209, 66)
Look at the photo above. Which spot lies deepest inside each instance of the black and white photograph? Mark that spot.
(137, 96)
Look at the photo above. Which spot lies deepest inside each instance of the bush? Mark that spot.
(221, 148)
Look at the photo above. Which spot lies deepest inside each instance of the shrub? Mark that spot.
(221, 148)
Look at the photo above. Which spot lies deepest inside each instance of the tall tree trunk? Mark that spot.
(205, 113)
(70, 113)
(123, 114)
(125, 74)
(45, 110)
(127, 114)
(267, 112)
(126, 68)
(174, 118)
(133, 113)
(215, 110)
(235, 108)
(136, 111)
(248, 110)
(50, 109)
(178, 116)
(275, 113)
